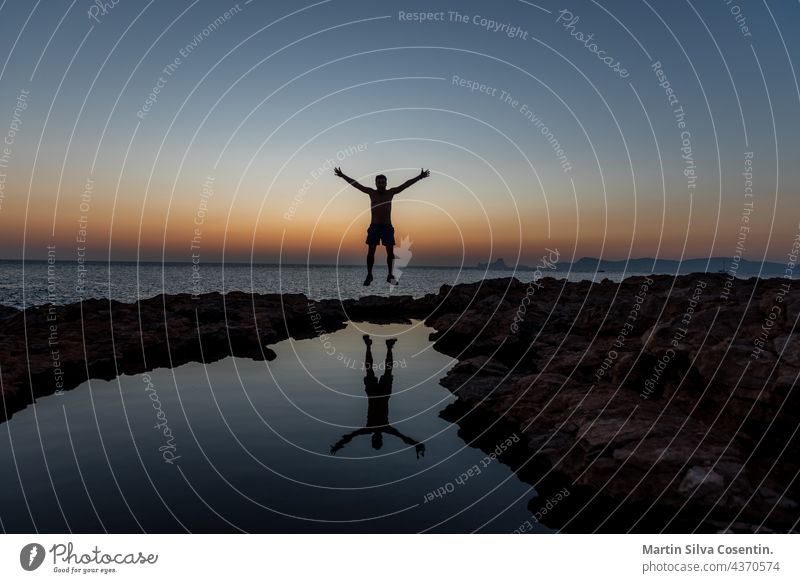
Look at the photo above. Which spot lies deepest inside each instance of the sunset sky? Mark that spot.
(255, 99)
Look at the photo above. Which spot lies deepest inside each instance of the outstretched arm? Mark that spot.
(422, 174)
(338, 172)
(347, 438)
(418, 447)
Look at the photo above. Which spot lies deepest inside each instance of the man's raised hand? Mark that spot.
(338, 172)
(424, 173)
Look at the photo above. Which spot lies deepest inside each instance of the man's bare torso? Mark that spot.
(381, 206)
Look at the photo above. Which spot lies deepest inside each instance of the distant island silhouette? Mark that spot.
(652, 265)
(500, 264)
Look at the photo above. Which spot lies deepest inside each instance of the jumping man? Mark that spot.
(380, 229)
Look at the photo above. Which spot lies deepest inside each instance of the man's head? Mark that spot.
(380, 182)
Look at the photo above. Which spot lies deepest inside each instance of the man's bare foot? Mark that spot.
(367, 340)
(390, 342)
(368, 280)
(391, 280)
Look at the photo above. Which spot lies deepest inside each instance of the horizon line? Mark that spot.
(477, 265)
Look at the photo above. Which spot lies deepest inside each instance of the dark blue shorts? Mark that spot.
(380, 235)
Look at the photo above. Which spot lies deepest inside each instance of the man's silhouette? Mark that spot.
(378, 394)
(380, 228)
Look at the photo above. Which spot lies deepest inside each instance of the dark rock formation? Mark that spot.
(658, 391)
(663, 403)
(7, 312)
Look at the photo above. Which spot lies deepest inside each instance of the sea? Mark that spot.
(34, 283)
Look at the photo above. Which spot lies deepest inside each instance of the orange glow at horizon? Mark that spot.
(443, 229)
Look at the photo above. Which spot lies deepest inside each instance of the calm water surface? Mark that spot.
(31, 284)
(309, 442)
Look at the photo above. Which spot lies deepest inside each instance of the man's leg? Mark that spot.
(390, 262)
(368, 362)
(370, 263)
(389, 362)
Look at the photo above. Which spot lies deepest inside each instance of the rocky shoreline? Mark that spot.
(663, 402)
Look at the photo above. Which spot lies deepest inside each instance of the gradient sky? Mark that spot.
(263, 100)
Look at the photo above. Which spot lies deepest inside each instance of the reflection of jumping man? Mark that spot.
(380, 228)
(378, 394)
